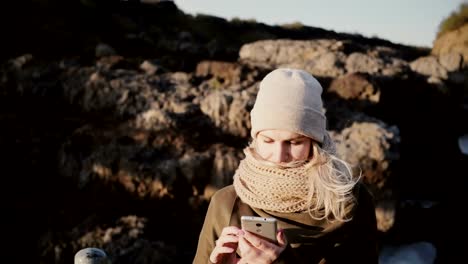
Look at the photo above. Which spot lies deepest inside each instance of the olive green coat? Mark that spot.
(309, 240)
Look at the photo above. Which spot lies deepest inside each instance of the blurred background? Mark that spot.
(120, 119)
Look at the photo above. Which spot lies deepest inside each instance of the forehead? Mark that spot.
(280, 134)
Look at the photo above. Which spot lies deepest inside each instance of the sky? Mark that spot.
(410, 22)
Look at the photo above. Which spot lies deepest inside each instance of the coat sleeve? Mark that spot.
(361, 242)
(217, 217)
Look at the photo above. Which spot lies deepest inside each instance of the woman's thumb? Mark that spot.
(281, 238)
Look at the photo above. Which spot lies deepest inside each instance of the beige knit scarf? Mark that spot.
(266, 187)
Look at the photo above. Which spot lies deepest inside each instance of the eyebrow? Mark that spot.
(288, 139)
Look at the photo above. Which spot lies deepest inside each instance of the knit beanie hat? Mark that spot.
(289, 99)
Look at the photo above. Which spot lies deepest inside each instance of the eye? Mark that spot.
(267, 141)
(295, 142)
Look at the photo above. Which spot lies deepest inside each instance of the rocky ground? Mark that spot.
(117, 129)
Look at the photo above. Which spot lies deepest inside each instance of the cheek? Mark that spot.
(263, 149)
(300, 152)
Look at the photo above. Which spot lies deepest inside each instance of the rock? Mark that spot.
(229, 111)
(22, 60)
(91, 256)
(371, 149)
(355, 86)
(452, 61)
(227, 72)
(359, 62)
(452, 42)
(415, 253)
(463, 144)
(149, 67)
(429, 66)
(385, 213)
(321, 57)
(103, 50)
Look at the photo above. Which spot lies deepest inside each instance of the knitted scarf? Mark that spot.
(266, 187)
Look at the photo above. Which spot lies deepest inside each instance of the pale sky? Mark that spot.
(413, 22)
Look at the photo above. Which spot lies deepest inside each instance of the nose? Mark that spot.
(281, 154)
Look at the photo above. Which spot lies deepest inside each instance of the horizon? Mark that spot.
(417, 24)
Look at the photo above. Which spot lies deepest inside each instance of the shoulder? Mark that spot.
(224, 198)
(221, 208)
(224, 194)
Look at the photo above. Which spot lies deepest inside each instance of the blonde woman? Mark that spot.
(292, 173)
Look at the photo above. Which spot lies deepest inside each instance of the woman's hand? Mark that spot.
(254, 249)
(226, 245)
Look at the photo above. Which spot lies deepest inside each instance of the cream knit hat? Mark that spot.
(289, 99)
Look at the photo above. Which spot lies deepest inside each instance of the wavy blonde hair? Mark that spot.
(331, 180)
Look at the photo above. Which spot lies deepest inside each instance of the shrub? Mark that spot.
(456, 20)
(294, 25)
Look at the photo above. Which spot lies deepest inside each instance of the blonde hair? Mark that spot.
(331, 181)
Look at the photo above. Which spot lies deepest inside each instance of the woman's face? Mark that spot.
(280, 146)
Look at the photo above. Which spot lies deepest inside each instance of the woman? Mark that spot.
(291, 172)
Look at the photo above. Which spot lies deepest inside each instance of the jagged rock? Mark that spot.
(453, 42)
(225, 71)
(149, 67)
(216, 105)
(355, 86)
(115, 92)
(323, 57)
(371, 147)
(385, 212)
(229, 111)
(123, 241)
(320, 57)
(126, 159)
(103, 50)
(359, 62)
(451, 61)
(154, 120)
(429, 66)
(20, 61)
(414, 253)
(225, 163)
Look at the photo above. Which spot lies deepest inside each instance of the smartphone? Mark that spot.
(264, 227)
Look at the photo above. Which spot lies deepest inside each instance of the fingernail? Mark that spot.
(240, 233)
